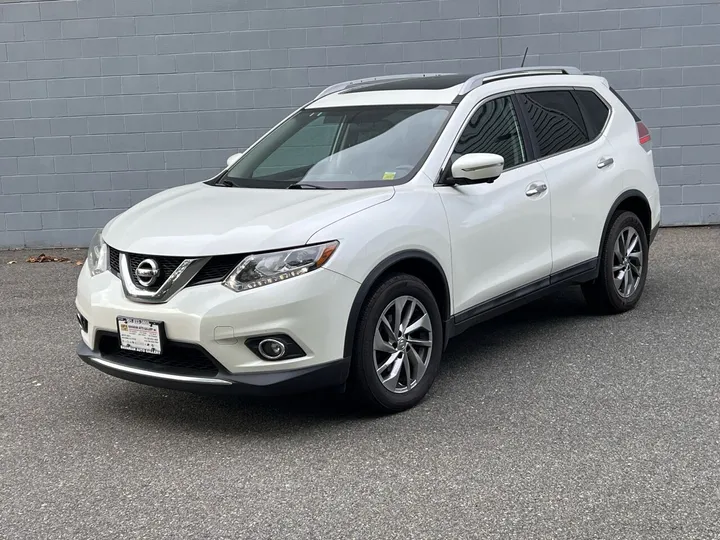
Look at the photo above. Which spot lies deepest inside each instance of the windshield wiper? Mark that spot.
(303, 185)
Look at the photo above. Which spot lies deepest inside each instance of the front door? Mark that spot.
(501, 232)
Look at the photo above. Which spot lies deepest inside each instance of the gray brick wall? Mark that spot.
(105, 102)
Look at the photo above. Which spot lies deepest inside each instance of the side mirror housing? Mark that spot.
(232, 159)
(476, 169)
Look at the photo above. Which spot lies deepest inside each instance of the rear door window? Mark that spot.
(596, 112)
(556, 118)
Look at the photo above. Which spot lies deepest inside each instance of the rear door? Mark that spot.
(581, 174)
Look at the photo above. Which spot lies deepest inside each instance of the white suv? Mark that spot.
(347, 245)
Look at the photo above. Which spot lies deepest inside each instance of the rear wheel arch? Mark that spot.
(605, 294)
(414, 262)
(632, 201)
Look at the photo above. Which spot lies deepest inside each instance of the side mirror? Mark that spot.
(232, 159)
(476, 169)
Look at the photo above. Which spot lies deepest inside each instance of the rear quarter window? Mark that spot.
(595, 109)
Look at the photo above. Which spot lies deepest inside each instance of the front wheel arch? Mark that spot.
(414, 262)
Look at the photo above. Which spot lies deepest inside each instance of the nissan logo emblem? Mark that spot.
(147, 272)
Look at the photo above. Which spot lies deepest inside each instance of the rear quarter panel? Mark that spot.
(635, 165)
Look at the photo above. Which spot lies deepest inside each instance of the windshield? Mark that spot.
(341, 148)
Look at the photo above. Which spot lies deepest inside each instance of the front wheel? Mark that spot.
(398, 345)
(623, 266)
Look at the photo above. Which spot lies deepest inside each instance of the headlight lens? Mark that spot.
(266, 268)
(97, 256)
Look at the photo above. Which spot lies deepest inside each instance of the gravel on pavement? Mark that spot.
(546, 423)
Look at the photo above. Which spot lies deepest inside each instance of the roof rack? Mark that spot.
(370, 80)
(471, 84)
(484, 78)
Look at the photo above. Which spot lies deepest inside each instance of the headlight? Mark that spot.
(258, 270)
(97, 256)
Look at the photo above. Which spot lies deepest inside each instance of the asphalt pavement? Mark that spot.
(546, 423)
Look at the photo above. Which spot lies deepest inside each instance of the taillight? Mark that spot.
(644, 135)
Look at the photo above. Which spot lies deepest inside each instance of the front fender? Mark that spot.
(412, 224)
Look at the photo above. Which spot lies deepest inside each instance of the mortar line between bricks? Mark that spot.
(111, 118)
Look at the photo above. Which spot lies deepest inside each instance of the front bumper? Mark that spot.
(257, 384)
(312, 310)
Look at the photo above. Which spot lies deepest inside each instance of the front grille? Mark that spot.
(214, 271)
(114, 260)
(167, 266)
(177, 358)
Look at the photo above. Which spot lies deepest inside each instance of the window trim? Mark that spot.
(524, 134)
(534, 148)
(625, 104)
(526, 128)
(600, 134)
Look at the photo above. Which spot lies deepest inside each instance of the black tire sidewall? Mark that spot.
(621, 221)
(363, 361)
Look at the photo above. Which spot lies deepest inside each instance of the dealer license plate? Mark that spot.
(140, 335)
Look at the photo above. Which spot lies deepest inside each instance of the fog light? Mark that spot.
(274, 347)
(271, 349)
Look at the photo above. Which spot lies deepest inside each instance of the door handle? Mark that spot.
(605, 162)
(536, 189)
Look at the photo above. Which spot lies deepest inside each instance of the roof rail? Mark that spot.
(484, 78)
(339, 87)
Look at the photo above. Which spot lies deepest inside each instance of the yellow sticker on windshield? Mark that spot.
(389, 176)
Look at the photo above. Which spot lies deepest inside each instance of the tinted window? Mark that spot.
(494, 129)
(596, 112)
(556, 118)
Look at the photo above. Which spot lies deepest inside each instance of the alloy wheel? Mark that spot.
(402, 344)
(627, 262)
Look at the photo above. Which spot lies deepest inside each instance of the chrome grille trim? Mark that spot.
(182, 275)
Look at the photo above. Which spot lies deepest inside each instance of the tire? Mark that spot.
(420, 352)
(605, 294)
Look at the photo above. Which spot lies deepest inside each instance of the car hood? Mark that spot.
(200, 220)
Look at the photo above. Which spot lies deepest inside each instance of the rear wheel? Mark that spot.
(398, 345)
(623, 266)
